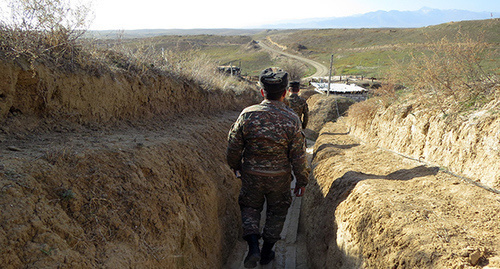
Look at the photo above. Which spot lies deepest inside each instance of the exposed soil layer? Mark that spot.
(110, 97)
(156, 195)
(466, 145)
(370, 208)
(323, 109)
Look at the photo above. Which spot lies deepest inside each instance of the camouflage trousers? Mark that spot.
(254, 191)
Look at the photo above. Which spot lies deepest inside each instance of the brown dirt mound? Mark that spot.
(369, 208)
(158, 195)
(85, 98)
(323, 109)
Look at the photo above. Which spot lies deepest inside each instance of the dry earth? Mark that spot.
(468, 145)
(135, 177)
(156, 195)
(370, 208)
(115, 169)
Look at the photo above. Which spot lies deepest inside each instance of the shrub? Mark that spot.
(295, 69)
(43, 28)
(449, 75)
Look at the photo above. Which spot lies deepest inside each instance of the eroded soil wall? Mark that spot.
(83, 97)
(149, 190)
(369, 208)
(468, 146)
(160, 198)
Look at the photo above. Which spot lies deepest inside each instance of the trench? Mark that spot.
(160, 195)
(366, 207)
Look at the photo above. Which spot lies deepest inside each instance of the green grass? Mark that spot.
(368, 52)
(371, 51)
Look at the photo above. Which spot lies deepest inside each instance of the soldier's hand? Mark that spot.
(299, 191)
(237, 173)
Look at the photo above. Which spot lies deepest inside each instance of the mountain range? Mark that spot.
(382, 19)
(377, 19)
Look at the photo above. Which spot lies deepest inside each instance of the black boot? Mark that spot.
(267, 254)
(253, 250)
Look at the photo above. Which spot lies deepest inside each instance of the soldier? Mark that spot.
(297, 103)
(265, 145)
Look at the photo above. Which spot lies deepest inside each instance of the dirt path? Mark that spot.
(321, 70)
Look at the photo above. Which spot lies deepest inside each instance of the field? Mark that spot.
(368, 52)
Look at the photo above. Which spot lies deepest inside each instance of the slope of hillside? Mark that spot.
(373, 51)
(115, 170)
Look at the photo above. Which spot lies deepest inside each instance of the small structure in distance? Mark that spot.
(229, 70)
(338, 88)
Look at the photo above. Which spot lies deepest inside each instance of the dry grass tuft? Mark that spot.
(295, 69)
(58, 155)
(364, 112)
(449, 77)
(43, 30)
(49, 32)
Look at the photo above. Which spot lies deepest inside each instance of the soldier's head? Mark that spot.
(294, 86)
(273, 82)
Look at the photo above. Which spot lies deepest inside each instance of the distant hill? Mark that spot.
(380, 19)
(142, 33)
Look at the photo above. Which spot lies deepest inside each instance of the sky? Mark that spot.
(192, 14)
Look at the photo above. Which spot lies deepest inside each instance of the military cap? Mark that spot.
(294, 84)
(273, 80)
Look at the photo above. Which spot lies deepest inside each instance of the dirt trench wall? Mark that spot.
(82, 97)
(369, 208)
(153, 191)
(469, 146)
(323, 109)
(136, 199)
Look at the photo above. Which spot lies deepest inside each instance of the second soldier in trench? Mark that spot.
(297, 103)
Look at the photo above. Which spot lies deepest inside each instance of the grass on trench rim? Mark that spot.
(449, 76)
(49, 32)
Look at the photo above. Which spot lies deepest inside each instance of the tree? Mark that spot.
(33, 27)
(296, 70)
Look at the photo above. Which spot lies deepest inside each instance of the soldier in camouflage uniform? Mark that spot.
(297, 103)
(266, 144)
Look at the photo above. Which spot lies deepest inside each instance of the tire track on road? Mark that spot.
(321, 70)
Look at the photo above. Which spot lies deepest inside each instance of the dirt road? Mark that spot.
(321, 70)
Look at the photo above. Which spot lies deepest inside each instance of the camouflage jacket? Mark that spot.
(267, 140)
(299, 105)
